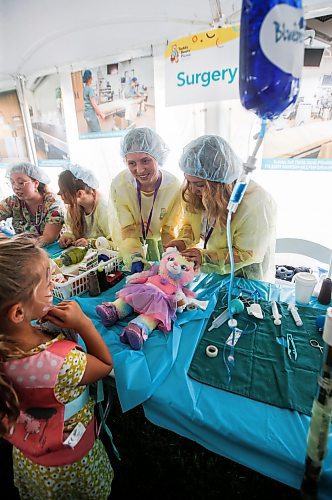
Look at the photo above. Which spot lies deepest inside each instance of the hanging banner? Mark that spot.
(301, 138)
(115, 97)
(203, 67)
(44, 98)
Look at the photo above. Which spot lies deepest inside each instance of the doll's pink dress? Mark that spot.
(155, 297)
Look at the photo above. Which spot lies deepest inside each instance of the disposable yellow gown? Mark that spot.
(253, 237)
(97, 224)
(127, 231)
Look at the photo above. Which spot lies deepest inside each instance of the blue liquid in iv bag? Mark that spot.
(271, 55)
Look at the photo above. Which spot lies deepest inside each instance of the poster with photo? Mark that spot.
(13, 147)
(48, 124)
(115, 97)
(301, 138)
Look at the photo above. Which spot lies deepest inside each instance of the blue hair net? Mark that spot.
(144, 140)
(30, 170)
(210, 157)
(83, 174)
(86, 75)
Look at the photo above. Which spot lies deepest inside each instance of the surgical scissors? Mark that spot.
(315, 343)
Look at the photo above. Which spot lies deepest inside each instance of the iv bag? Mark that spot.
(271, 55)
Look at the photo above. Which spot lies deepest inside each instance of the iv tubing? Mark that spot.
(247, 168)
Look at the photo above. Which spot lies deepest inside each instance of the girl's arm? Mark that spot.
(51, 233)
(171, 221)
(53, 218)
(186, 237)
(68, 314)
(129, 230)
(102, 225)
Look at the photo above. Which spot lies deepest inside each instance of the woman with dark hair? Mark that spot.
(33, 208)
(91, 109)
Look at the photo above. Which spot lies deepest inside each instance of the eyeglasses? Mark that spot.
(19, 184)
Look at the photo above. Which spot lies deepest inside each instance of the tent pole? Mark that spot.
(320, 419)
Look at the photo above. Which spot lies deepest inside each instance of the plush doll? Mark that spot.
(155, 295)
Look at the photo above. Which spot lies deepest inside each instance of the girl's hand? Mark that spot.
(81, 242)
(68, 314)
(194, 255)
(65, 241)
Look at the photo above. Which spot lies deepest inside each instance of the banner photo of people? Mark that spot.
(203, 67)
(13, 147)
(48, 124)
(113, 98)
(301, 138)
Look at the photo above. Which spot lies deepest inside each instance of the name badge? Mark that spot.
(162, 213)
(145, 249)
(75, 436)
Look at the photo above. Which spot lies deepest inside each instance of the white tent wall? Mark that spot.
(42, 34)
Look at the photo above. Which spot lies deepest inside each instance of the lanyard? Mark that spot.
(208, 233)
(145, 230)
(38, 217)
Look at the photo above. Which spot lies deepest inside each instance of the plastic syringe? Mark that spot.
(236, 308)
(275, 313)
(296, 317)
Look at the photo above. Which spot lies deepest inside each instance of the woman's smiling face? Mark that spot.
(143, 167)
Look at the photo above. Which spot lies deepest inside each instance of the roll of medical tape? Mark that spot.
(211, 351)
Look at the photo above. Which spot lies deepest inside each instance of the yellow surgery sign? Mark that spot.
(199, 41)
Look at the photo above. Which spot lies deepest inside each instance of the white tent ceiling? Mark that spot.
(41, 36)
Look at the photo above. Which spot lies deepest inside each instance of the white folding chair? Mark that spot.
(304, 247)
(297, 252)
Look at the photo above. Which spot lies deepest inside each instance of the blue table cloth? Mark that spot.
(53, 249)
(265, 438)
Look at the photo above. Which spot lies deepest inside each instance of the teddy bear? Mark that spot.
(155, 294)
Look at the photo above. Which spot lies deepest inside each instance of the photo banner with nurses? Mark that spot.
(113, 98)
(203, 67)
(301, 138)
